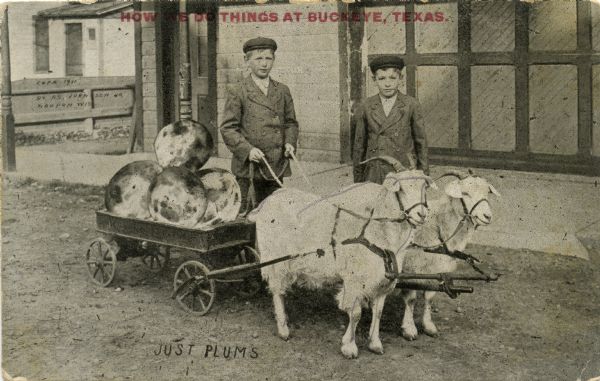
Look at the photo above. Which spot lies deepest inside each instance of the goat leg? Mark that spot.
(428, 326)
(375, 345)
(280, 316)
(349, 348)
(409, 329)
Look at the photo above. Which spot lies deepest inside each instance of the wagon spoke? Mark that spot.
(107, 257)
(104, 275)
(193, 303)
(205, 292)
(186, 293)
(91, 262)
(201, 302)
(187, 272)
(96, 272)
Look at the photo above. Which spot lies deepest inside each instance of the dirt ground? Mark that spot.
(541, 321)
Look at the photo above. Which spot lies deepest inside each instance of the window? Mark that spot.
(42, 58)
(92, 34)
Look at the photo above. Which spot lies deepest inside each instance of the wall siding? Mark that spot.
(149, 96)
(493, 108)
(596, 110)
(553, 109)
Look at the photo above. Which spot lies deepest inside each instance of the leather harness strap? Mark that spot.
(389, 258)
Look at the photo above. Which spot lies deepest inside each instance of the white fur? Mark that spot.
(291, 222)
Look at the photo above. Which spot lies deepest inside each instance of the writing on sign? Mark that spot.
(56, 82)
(61, 101)
(113, 98)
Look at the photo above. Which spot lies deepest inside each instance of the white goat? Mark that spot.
(291, 221)
(451, 224)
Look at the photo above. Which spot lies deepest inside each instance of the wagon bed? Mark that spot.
(225, 235)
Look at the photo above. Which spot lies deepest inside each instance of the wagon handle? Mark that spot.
(247, 267)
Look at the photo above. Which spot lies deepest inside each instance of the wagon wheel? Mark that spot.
(157, 258)
(199, 295)
(251, 284)
(101, 260)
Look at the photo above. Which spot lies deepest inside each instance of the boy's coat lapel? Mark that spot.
(377, 112)
(255, 94)
(395, 115)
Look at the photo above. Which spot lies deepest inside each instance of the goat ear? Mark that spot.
(391, 183)
(494, 191)
(453, 189)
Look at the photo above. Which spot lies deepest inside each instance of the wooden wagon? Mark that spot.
(194, 283)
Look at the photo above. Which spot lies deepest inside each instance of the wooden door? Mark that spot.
(73, 50)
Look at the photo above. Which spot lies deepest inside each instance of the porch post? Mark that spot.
(185, 100)
(8, 120)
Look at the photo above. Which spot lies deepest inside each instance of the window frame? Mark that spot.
(37, 45)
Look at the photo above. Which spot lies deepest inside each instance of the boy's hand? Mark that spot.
(256, 155)
(289, 150)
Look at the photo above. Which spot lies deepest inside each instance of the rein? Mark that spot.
(467, 217)
(273, 176)
(442, 248)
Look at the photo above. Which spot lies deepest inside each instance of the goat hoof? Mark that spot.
(350, 350)
(283, 333)
(431, 332)
(376, 348)
(410, 334)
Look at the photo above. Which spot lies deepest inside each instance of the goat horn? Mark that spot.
(398, 167)
(411, 161)
(460, 174)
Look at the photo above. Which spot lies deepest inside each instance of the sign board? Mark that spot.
(66, 99)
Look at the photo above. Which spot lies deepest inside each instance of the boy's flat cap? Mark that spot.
(259, 43)
(386, 61)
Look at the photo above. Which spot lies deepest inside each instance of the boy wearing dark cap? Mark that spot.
(388, 124)
(259, 123)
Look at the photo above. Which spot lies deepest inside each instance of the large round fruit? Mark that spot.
(186, 144)
(177, 196)
(222, 190)
(127, 193)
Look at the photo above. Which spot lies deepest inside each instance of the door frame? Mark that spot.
(209, 103)
(67, 24)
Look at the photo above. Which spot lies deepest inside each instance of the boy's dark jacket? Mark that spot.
(253, 119)
(400, 133)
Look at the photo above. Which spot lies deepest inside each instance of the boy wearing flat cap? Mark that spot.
(259, 123)
(388, 124)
